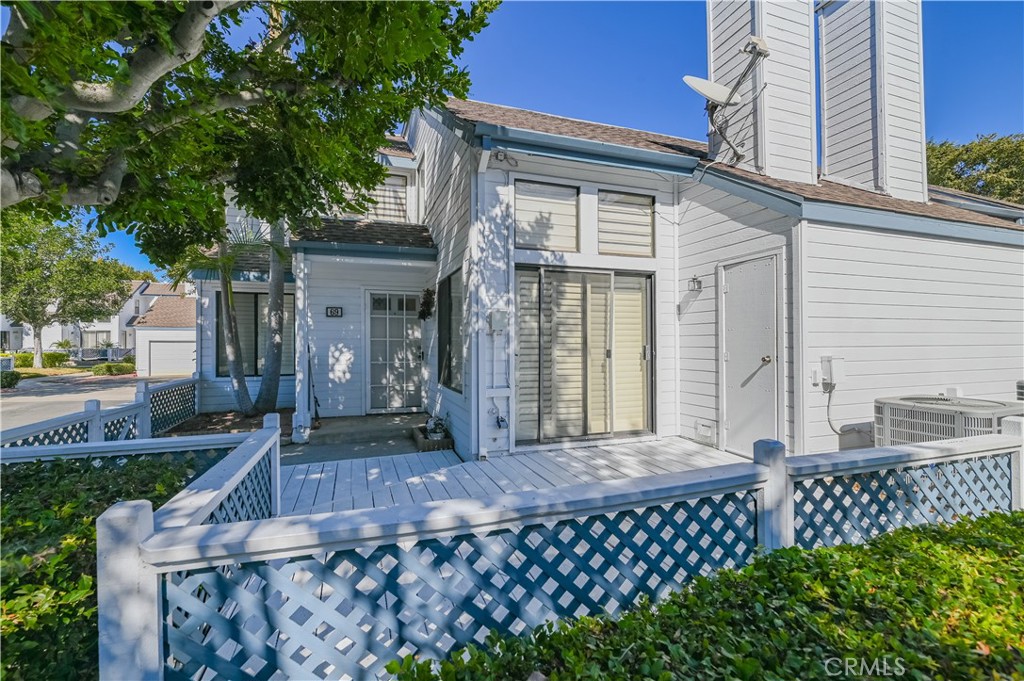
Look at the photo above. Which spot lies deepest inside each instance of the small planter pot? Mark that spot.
(436, 436)
(426, 443)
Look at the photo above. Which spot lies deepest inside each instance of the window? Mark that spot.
(253, 319)
(625, 224)
(391, 200)
(547, 216)
(93, 339)
(449, 331)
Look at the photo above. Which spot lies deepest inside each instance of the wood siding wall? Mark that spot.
(716, 227)
(873, 96)
(910, 315)
(446, 169)
(775, 122)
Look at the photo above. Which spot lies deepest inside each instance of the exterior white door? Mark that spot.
(749, 353)
(396, 352)
(172, 358)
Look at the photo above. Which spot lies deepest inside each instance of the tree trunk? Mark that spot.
(266, 401)
(236, 369)
(37, 347)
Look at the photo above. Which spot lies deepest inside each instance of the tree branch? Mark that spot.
(106, 188)
(149, 64)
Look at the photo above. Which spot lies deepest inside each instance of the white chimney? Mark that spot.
(774, 125)
(872, 96)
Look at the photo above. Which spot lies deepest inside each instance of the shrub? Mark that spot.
(53, 360)
(48, 566)
(113, 369)
(9, 379)
(128, 359)
(22, 360)
(943, 602)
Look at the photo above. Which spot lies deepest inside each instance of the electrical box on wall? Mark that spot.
(497, 320)
(833, 370)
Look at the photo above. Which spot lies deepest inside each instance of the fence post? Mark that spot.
(1014, 425)
(775, 513)
(128, 595)
(144, 422)
(92, 413)
(195, 386)
(274, 421)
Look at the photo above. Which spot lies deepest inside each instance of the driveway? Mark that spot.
(39, 399)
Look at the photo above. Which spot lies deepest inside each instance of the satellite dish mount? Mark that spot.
(720, 98)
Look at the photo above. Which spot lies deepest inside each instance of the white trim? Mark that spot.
(799, 340)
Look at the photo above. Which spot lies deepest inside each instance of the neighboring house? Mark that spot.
(596, 282)
(91, 336)
(11, 334)
(165, 337)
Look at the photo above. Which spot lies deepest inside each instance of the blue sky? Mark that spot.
(622, 63)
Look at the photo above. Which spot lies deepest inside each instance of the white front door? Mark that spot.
(396, 352)
(749, 353)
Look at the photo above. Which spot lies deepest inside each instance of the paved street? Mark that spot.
(38, 399)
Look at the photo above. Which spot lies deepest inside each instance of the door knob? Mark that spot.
(767, 359)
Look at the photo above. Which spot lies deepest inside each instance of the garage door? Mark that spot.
(172, 358)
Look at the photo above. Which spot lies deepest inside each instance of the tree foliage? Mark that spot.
(56, 273)
(148, 110)
(990, 166)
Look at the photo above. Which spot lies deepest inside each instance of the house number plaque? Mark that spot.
(334, 312)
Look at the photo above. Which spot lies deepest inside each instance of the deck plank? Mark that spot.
(290, 494)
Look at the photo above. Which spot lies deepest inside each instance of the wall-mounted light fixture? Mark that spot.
(694, 284)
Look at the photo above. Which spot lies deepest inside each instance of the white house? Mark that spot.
(165, 337)
(595, 282)
(90, 336)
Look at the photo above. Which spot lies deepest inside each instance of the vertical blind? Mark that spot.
(582, 354)
(547, 216)
(449, 331)
(251, 311)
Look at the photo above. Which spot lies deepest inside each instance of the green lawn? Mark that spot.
(60, 371)
(940, 602)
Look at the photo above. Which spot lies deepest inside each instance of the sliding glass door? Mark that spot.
(583, 354)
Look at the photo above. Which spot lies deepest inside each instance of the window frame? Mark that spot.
(445, 334)
(515, 214)
(221, 371)
(654, 212)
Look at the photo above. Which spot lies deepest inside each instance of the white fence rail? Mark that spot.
(247, 595)
(156, 409)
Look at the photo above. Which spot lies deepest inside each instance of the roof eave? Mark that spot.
(589, 151)
(366, 250)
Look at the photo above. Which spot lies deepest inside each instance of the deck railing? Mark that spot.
(340, 594)
(156, 409)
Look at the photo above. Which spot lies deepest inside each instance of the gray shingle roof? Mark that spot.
(366, 232)
(831, 192)
(168, 312)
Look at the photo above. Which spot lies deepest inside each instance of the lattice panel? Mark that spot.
(172, 406)
(345, 614)
(250, 500)
(852, 508)
(123, 428)
(65, 435)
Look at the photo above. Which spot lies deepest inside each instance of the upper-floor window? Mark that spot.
(547, 216)
(392, 200)
(625, 224)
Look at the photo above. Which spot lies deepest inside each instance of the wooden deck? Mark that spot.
(379, 482)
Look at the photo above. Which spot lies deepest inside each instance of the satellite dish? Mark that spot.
(716, 94)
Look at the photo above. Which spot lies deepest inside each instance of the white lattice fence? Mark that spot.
(345, 614)
(65, 434)
(172, 403)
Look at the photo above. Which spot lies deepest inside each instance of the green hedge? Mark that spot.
(51, 360)
(939, 602)
(9, 379)
(128, 359)
(48, 565)
(113, 369)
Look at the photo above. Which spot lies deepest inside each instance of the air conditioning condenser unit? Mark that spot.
(925, 418)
